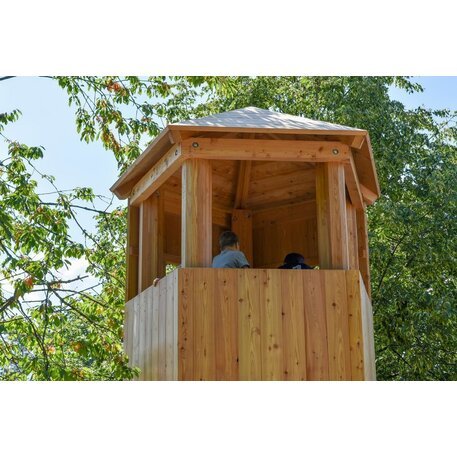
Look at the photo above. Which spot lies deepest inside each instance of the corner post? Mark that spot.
(331, 216)
(132, 248)
(196, 227)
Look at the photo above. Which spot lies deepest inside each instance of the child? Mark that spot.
(230, 256)
(295, 261)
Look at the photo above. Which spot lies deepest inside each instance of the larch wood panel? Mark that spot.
(293, 326)
(186, 326)
(250, 351)
(226, 324)
(291, 213)
(169, 327)
(133, 234)
(204, 331)
(271, 325)
(353, 288)
(317, 361)
(196, 224)
(155, 334)
(142, 344)
(368, 337)
(252, 324)
(162, 329)
(261, 170)
(337, 326)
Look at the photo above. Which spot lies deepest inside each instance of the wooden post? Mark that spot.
(196, 226)
(352, 236)
(362, 241)
(131, 289)
(331, 216)
(151, 262)
(242, 226)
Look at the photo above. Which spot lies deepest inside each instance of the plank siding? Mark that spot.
(252, 324)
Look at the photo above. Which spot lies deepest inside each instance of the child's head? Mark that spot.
(228, 240)
(293, 258)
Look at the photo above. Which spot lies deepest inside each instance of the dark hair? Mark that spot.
(227, 239)
(293, 258)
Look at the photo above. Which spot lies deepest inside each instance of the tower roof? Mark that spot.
(248, 122)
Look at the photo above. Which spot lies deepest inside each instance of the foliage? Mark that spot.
(51, 329)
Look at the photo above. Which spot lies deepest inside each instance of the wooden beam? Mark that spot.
(196, 220)
(331, 216)
(369, 197)
(352, 236)
(131, 289)
(358, 141)
(157, 175)
(282, 150)
(151, 258)
(362, 242)
(352, 183)
(242, 226)
(242, 188)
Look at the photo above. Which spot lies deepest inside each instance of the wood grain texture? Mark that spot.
(250, 149)
(362, 241)
(196, 224)
(356, 346)
(157, 175)
(250, 350)
(352, 236)
(242, 226)
(337, 326)
(133, 234)
(331, 216)
(252, 324)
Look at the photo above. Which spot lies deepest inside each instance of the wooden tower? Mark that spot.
(283, 184)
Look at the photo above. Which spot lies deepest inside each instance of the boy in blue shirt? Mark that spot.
(230, 256)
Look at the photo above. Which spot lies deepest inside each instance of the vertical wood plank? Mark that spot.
(204, 329)
(331, 216)
(185, 329)
(226, 323)
(242, 226)
(176, 296)
(162, 327)
(355, 325)
(130, 309)
(271, 325)
(337, 326)
(155, 335)
(148, 324)
(362, 239)
(368, 337)
(293, 325)
(352, 236)
(136, 333)
(142, 335)
(316, 326)
(133, 217)
(196, 224)
(169, 324)
(250, 351)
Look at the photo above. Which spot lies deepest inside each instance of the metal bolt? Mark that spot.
(335, 152)
(195, 145)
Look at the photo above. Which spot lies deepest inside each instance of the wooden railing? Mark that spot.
(252, 324)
